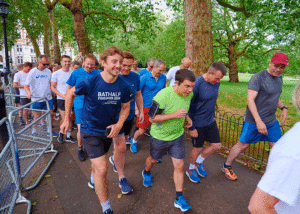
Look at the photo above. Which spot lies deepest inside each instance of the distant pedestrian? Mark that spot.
(185, 64)
(148, 69)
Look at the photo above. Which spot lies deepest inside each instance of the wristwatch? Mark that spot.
(283, 107)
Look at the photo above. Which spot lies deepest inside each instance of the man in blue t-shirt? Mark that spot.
(133, 81)
(77, 75)
(151, 84)
(202, 113)
(150, 65)
(106, 107)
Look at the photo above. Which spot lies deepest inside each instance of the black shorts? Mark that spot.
(95, 145)
(61, 104)
(17, 99)
(208, 133)
(128, 126)
(24, 101)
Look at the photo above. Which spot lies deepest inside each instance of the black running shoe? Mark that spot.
(81, 154)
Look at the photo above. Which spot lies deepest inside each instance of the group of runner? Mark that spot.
(105, 105)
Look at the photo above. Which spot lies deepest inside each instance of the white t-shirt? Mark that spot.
(61, 77)
(39, 82)
(171, 75)
(20, 78)
(282, 177)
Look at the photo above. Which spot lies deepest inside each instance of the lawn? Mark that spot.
(233, 96)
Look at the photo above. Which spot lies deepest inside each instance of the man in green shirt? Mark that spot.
(168, 115)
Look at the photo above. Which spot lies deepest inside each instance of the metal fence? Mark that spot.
(230, 126)
(10, 181)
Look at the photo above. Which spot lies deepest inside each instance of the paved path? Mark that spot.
(66, 190)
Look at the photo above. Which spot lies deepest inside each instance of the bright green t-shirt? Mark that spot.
(170, 102)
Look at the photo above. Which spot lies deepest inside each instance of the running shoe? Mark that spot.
(182, 204)
(147, 179)
(109, 211)
(125, 187)
(74, 126)
(133, 147)
(81, 154)
(22, 122)
(70, 140)
(200, 169)
(229, 173)
(53, 134)
(193, 176)
(111, 160)
(60, 138)
(128, 140)
(91, 185)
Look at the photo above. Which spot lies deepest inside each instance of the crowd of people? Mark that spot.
(108, 104)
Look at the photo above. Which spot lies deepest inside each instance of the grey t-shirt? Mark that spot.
(269, 89)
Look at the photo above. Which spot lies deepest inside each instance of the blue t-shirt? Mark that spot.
(133, 79)
(143, 72)
(102, 103)
(75, 78)
(202, 109)
(150, 87)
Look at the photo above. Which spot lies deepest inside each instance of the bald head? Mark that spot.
(185, 63)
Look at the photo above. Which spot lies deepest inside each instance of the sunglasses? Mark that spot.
(45, 64)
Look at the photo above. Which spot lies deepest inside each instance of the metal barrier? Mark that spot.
(230, 126)
(32, 147)
(10, 180)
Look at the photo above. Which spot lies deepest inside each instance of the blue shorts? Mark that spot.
(42, 105)
(251, 135)
(78, 114)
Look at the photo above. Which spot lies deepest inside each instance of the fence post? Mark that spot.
(3, 128)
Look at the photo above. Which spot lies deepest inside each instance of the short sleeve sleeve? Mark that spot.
(28, 79)
(143, 82)
(82, 87)
(16, 77)
(72, 80)
(54, 77)
(254, 83)
(161, 99)
(127, 95)
(170, 74)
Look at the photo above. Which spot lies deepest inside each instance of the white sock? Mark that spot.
(105, 205)
(200, 159)
(192, 166)
(68, 133)
(133, 141)
(92, 178)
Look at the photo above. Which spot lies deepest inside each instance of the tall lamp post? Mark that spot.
(3, 129)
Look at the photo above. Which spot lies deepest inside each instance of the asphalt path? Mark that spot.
(65, 189)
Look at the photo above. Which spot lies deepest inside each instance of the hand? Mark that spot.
(65, 126)
(29, 95)
(64, 96)
(261, 127)
(137, 112)
(188, 122)
(194, 133)
(141, 118)
(180, 113)
(115, 130)
(283, 116)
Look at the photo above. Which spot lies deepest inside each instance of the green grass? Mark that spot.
(233, 96)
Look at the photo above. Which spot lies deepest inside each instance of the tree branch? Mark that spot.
(108, 15)
(240, 9)
(219, 40)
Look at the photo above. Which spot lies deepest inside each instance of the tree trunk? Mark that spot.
(34, 42)
(46, 27)
(55, 40)
(233, 68)
(198, 34)
(83, 41)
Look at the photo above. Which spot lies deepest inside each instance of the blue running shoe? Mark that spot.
(53, 134)
(147, 179)
(109, 211)
(200, 169)
(133, 147)
(182, 204)
(125, 187)
(91, 185)
(128, 140)
(193, 176)
(111, 160)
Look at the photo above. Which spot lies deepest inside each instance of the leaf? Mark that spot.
(119, 196)
(33, 204)
(47, 176)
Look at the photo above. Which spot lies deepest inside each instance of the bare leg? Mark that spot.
(149, 163)
(211, 149)
(235, 151)
(119, 155)
(178, 174)
(194, 154)
(79, 140)
(138, 134)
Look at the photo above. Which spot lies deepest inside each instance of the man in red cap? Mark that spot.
(260, 123)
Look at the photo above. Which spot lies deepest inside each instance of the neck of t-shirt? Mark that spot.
(107, 77)
(65, 70)
(39, 69)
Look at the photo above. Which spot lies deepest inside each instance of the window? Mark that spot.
(32, 50)
(20, 59)
(33, 59)
(19, 48)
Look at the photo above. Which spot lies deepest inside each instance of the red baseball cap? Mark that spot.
(280, 58)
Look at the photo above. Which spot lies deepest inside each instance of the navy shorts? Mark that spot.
(61, 104)
(208, 133)
(251, 135)
(24, 101)
(42, 105)
(95, 145)
(128, 126)
(176, 148)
